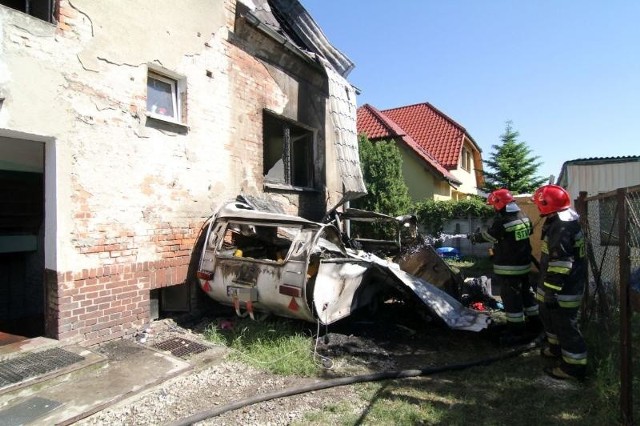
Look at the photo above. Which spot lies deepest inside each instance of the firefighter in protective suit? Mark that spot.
(511, 259)
(562, 282)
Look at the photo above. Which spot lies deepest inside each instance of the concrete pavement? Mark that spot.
(103, 376)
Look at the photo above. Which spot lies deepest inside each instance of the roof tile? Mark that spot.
(371, 125)
(377, 125)
(432, 130)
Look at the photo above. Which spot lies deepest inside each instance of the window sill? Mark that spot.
(290, 188)
(158, 118)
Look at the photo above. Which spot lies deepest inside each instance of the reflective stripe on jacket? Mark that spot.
(509, 234)
(562, 262)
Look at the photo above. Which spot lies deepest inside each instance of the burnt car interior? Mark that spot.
(265, 242)
(374, 232)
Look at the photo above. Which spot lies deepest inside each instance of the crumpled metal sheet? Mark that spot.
(451, 311)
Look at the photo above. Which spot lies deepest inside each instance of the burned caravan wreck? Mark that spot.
(263, 262)
(396, 238)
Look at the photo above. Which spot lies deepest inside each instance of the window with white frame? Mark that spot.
(466, 159)
(165, 96)
(288, 152)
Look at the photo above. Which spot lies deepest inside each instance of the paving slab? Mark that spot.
(130, 368)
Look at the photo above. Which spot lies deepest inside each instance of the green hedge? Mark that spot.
(433, 215)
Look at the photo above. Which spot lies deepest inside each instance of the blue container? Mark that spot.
(448, 252)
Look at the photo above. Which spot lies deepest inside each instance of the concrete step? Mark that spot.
(30, 366)
(106, 374)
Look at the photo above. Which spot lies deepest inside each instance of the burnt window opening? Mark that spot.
(41, 9)
(288, 152)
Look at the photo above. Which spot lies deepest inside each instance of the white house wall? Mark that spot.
(468, 179)
(131, 196)
(469, 183)
(87, 89)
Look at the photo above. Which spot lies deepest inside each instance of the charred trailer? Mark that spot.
(278, 264)
(265, 262)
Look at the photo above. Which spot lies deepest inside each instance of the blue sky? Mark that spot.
(566, 73)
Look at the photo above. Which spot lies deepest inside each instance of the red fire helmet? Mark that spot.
(551, 198)
(499, 198)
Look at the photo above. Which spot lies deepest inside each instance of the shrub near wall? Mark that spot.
(434, 215)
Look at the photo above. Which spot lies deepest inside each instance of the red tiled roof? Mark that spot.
(377, 125)
(432, 130)
(370, 123)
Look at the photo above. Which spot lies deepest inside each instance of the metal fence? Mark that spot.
(611, 222)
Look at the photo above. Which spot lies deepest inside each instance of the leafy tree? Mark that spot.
(512, 165)
(382, 169)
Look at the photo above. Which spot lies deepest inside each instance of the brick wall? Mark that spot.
(112, 301)
(259, 81)
(65, 14)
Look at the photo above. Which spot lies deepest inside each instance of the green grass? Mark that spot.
(340, 413)
(508, 392)
(278, 346)
(513, 391)
(470, 266)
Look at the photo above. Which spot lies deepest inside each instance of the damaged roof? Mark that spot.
(292, 21)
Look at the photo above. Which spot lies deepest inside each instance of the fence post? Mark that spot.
(626, 379)
(581, 208)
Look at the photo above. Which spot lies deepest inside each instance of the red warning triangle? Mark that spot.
(293, 305)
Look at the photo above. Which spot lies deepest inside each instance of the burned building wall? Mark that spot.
(127, 188)
(288, 84)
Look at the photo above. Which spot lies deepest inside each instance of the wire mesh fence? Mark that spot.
(611, 223)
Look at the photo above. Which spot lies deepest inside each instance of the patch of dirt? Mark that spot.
(391, 340)
(397, 340)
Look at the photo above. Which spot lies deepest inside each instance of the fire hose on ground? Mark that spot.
(342, 381)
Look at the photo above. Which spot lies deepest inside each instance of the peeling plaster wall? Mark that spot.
(129, 196)
(86, 87)
(135, 33)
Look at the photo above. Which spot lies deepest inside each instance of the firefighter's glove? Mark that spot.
(474, 238)
(550, 300)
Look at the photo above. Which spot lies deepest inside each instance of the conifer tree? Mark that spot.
(512, 166)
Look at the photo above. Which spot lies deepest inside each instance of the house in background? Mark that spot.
(599, 174)
(441, 161)
(123, 125)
